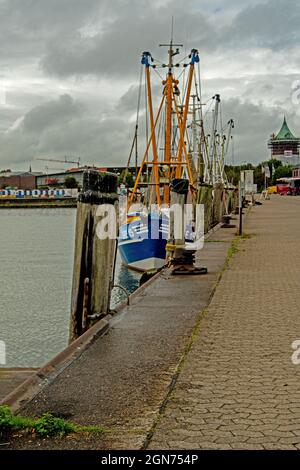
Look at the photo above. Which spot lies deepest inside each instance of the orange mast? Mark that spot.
(145, 154)
(169, 109)
(182, 133)
(168, 155)
(146, 57)
(195, 58)
(169, 99)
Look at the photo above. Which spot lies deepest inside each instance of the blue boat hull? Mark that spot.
(142, 243)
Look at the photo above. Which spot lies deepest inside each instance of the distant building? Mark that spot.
(30, 180)
(18, 180)
(285, 146)
(296, 172)
(58, 179)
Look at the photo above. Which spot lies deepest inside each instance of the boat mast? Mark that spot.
(194, 56)
(225, 147)
(172, 163)
(145, 60)
(212, 151)
(169, 112)
(194, 132)
(231, 126)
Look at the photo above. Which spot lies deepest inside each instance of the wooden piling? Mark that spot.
(181, 258)
(94, 258)
(178, 196)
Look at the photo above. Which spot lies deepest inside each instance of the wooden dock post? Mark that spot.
(179, 189)
(94, 258)
(241, 198)
(178, 196)
(182, 259)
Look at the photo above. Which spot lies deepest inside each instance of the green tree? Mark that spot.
(71, 182)
(275, 163)
(282, 172)
(259, 178)
(129, 179)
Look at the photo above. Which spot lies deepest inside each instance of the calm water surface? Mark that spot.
(36, 260)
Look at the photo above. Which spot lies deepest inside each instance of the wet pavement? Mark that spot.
(123, 380)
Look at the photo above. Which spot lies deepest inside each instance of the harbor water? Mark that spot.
(36, 261)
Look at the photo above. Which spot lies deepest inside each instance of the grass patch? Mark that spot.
(45, 426)
(234, 248)
(91, 430)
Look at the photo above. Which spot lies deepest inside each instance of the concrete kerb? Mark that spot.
(28, 389)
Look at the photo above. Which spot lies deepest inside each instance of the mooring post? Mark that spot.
(179, 189)
(226, 217)
(182, 259)
(178, 196)
(95, 249)
(241, 194)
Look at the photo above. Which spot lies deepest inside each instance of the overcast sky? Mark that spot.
(69, 71)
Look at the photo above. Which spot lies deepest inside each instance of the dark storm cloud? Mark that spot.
(138, 25)
(91, 50)
(27, 25)
(65, 126)
(115, 51)
(51, 113)
(7, 116)
(254, 123)
(274, 24)
(128, 102)
(68, 128)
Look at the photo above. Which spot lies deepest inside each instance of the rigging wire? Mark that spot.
(221, 119)
(183, 80)
(139, 96)
(158, 74)
(135, 139)
(163, 131)
(159, 130)
(184, 59)
(200, 91)
(184, 93)
(147, 120)
(181, 73)
(209, 107)
(175, 130)
(157, 60)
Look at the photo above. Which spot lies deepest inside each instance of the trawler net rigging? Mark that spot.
(177, 146)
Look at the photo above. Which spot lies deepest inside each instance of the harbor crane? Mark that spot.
(78, 162)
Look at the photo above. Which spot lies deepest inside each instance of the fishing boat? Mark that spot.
(167, 156)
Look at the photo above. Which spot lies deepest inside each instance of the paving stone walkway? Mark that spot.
(238, 388)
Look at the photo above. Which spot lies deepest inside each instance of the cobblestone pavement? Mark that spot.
(238, 388)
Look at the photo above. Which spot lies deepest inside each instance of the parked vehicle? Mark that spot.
(272, 189)
(295, 187)
(283, 186)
